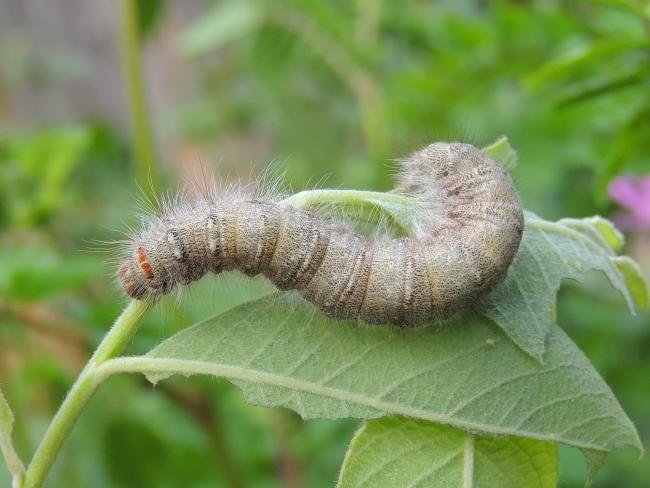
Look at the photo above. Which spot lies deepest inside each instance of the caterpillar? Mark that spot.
(464, 244)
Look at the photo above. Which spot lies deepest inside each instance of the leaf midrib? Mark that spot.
(151, 366)
(468, 461)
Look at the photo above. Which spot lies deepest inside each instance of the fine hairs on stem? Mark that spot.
(83, 389)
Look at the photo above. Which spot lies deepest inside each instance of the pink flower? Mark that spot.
(632, 193)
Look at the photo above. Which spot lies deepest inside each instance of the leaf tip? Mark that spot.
(635, 281)
(608, 231)
(502, 152)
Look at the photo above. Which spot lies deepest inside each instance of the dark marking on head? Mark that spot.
(143, 263)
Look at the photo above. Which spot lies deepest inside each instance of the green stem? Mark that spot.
(14, 464)
(143, 146)
(82, 390)
(310, 198)
(468, 461)
(401, 210)
(367, 24)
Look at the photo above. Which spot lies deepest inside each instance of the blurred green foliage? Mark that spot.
(332, 89)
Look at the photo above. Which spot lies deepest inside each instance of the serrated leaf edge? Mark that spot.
(157, 369)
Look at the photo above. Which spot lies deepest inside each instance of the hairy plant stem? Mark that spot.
(309, 198)
(468, 461)
(372, 207)
(143, 147)
(82, 390)
(13, 461)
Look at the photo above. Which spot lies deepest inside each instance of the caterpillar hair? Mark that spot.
(465, 240)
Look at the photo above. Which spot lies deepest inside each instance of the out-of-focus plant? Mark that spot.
(33, 172)
(609, 61)
(323, 31)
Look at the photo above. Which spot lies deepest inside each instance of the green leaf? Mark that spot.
(589, 90)
(502, 152)
(14, 463)
(523, 305)
(598, 226)
(634, 279)
(149, 13)
(595, 460)
(225, 22)
(397, 451)
(630, 6)
(578, 57)
(282, 352)
(42, 166)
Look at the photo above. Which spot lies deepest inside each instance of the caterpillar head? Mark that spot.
(139, 275)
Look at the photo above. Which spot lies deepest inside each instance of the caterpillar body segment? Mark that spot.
(465, 241)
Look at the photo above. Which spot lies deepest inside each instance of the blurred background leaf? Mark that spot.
(149, 13)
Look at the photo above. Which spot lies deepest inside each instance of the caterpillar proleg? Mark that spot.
(468, 235)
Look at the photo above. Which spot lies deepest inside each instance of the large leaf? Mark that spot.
(397, 451)
(523, 305)
(281, 352)
(14, 463)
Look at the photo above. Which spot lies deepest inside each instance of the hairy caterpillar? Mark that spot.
(470, 232)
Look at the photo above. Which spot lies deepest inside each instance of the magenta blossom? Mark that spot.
(632, 193)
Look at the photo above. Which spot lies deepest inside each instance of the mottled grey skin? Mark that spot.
(466, 242)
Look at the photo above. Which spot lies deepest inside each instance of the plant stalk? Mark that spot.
(143, 147)
(371, 207)
(83, 389)
(310, 198)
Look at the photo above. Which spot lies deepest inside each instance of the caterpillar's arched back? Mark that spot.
(467, 237)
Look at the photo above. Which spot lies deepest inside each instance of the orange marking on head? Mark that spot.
(143, 263)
